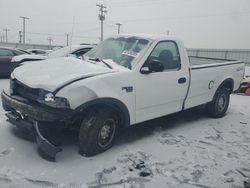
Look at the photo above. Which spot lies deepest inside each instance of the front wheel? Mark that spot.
(218, 107)
(98, 131)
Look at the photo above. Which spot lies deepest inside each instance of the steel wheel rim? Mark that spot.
(106, 133)
(222, 102)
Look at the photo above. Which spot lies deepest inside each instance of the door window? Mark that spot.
(167, 54)
(81, 52)
(5, 52)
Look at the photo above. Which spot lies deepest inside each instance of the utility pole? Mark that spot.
(6, 34)
(67, 35)
(20, 36)
(24, 18)
(119, 26)
(101, 15)
(50, 41)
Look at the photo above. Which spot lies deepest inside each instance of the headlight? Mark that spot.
(51, 100)
(49, 97)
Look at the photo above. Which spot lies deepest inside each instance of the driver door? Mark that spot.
(161, 93)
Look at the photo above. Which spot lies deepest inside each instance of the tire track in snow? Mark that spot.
(41, 182)
(5, 179)
(137, 169)
(6, 152)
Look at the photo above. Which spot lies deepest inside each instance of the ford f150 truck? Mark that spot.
(125, 80)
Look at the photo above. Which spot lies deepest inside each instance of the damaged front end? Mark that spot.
(45, 148)
(32, 118)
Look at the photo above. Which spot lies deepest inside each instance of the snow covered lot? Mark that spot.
(187, 149)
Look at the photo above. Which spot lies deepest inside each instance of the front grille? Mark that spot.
(24, 91)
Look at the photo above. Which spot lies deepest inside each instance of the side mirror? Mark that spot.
(153, 66)
(145, 70)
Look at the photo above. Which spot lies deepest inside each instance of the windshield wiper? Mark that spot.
(100, 60)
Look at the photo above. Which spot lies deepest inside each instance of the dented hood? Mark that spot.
(51, 74)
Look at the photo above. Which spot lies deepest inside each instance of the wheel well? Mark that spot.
(228, 83)
(108, 103)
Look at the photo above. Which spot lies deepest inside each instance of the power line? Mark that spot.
(140, 3)
(24, 18)
(51, 34)
(110, 25)
(87, 30)
(93, 37)
(180, 18)
(59, 35)
(101, 15)
(11, 37)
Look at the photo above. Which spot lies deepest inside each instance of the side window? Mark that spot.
(167, 54)
(17, 53)
(5, 52)
(81, 52)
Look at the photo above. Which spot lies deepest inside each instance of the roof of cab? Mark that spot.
(149, 36)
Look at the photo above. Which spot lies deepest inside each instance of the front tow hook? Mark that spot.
(47, 150)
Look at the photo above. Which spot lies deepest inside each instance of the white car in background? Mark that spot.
(37, 51)
(74, 50)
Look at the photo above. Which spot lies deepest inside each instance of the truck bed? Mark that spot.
(206, 62)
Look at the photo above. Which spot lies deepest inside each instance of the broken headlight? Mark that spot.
(49, 97)
(56, 102)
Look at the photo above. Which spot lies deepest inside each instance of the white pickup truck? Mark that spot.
(125, 80)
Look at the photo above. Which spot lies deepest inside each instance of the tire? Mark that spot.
(97, 132)
(218, 106)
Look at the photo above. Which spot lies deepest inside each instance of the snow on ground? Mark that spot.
(187, 149)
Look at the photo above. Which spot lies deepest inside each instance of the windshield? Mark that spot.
(121, 50)
(62, 52)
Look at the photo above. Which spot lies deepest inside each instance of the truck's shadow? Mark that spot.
(165, 123)
(22, 134)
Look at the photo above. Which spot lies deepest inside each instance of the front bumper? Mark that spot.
(27, 115)
(34, 110)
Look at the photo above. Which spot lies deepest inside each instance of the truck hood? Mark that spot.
(51, 74)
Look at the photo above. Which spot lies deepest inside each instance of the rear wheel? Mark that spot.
(218, 107)
(98, 131)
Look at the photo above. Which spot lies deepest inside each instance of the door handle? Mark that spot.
(182, 80)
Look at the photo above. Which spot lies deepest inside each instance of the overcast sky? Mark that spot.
(200, 23)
